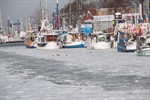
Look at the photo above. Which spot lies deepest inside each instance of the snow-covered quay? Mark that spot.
(72, 74)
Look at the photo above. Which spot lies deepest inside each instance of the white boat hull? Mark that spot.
(144, 52)
(101, 45)
(131, 47)
(49, 45)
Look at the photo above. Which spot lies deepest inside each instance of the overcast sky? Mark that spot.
(19, 8)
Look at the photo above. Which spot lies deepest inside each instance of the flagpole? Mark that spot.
(56, 19)
(57, 15)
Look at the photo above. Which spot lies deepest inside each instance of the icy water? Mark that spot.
(30, 78)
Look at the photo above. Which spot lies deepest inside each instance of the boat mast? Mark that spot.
(12, 27)
(21, 24)
(70, 14)
(46, 11)
(8, 23)
(18, 26)
(57, 7)
(1, 19)
(26, 24)
(40, 10)
(148, 8)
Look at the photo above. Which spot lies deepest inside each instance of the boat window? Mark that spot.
(121, 36)
(42, 39)
(102, 38)
(64, 32)
(32, 39)
(38, 39)
(51, 38)
(46, 24)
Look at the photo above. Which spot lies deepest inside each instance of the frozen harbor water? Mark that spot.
(72, 74)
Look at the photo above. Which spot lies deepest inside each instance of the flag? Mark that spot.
(56, 23)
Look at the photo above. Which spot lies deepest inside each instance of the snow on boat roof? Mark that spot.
(103, 18)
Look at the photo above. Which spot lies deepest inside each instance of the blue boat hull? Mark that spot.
(121, 47)
(75, 46)
(30, 46)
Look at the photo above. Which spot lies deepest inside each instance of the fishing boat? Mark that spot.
(71, 40)
(47, 37)
(143, 46)
(143, 41)
(125, 42)
(29, 36)
(126, 33)
(47, 41)
(30, 41)
(143, 52)
(98, 40)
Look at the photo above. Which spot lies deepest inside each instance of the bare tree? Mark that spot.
(117, 5)
(77, 8)
(36, 16)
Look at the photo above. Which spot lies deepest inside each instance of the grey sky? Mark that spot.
(19, 8)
